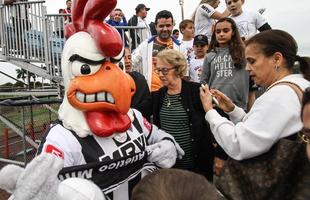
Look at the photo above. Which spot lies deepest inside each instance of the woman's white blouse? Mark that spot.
(274, 115)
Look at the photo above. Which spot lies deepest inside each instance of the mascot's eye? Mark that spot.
(84, 69)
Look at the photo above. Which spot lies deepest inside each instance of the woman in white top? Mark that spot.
(270, 56)
(205, 15)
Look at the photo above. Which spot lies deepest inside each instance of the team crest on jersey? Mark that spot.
(123, 145)
(121, 137)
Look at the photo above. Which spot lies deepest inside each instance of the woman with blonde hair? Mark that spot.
(205, 15)
(177, 109)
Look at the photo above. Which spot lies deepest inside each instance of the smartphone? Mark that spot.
(214, 100)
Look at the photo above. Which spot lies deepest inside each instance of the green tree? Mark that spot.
(34, 78)
(21, 74)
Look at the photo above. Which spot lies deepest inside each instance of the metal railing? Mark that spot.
(22, 27)
(131, 35)
(55, 42)
(34, 40)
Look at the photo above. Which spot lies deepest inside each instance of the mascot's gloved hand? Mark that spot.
(37, 181)
(164, 153)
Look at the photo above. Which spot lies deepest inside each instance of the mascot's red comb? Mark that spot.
(88, 16)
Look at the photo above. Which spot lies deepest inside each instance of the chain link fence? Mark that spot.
(23, 121)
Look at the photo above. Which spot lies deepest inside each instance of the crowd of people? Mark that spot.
(221, 56)
(202, 90)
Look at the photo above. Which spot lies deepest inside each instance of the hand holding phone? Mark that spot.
(214, 100)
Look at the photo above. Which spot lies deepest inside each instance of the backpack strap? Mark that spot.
(297, 89)
(299, 92)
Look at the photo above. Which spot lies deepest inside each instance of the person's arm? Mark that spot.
(273, 117)
(111, 22)
(136, 56)
(261, 23)
(62, 141)
(264, 27)
(209, 11)
(124, 21)
(204, 77)
(218, 15)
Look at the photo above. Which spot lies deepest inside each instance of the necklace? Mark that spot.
(170, 100)
(168, 103)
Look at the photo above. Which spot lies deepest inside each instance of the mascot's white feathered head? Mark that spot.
(97, 92)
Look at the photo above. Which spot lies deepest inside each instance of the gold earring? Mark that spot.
(277, 68)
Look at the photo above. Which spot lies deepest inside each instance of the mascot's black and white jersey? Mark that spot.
(76, 149)
(99, 136)
(100, 158)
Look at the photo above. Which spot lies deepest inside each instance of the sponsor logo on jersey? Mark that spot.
(206, 8)
(126, 149)
(55, 151)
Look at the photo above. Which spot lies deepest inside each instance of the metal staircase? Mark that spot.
(32, 40)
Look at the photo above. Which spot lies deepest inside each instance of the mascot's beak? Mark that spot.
(110, 89)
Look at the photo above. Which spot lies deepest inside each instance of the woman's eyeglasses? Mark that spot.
(305, 135)
(164, 70)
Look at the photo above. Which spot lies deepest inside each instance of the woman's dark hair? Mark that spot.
(174, 184)
(272, 41)
(304, 65)
(305, 100)
(236, 45)
(163, 14)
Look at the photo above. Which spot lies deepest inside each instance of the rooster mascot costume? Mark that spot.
(97, 135)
